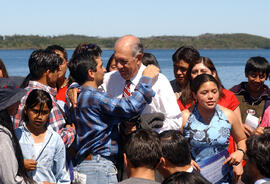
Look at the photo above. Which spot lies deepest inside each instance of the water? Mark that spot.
(230, 64)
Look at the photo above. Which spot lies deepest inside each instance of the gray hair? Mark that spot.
(137, 48)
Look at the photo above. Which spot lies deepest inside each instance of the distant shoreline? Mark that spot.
(206, 41)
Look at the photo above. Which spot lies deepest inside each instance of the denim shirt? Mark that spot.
(51, 160)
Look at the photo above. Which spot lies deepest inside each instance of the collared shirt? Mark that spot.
(263, 181)
(56, 119)
(51, 159)
(97, 113)
(164, 100)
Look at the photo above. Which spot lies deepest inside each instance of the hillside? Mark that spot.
(205, 41)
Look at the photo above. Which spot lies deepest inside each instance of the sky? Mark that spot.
(143, 18)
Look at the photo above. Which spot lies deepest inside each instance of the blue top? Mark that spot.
(51, 160)
(97, 113)
(207, 140)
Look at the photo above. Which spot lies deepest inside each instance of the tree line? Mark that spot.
(205, 41)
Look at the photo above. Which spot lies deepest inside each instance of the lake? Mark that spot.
(230, 64)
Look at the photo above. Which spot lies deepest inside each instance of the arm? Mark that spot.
(238, 135)
(58, 123)
(124, 107)
(61, 171)
(185, 115)
(8, 160)
(165, 102)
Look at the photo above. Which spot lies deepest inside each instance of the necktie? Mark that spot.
(126, 91)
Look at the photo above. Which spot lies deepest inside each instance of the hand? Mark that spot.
(259, 131)
(151, 71)
(72, 94)
(237, 172)
(195, 165)
(235, 158)
(30, 164)
(248, 130)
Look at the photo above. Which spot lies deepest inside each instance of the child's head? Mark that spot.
(257, 71)
(257, 64)
(37, 107)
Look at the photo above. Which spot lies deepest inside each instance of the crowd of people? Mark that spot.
(128, 123)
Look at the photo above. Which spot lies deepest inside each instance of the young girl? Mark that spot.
(43, 149)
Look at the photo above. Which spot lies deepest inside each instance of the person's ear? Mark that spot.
(91, 75)
(139, 57)
(214, 74)
(246, 74)
(162, 162)
(125, 160)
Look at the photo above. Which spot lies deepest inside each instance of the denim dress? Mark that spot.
(208, 139)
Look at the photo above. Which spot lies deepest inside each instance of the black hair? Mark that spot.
(186, 53)
(143, 149)
(3, 68)
(36, 97)
(200, 80)
(257, 64)
(175, 148)
(109, 63)
(79, 66)
(40, 61)
(186, 178)
(149, 59)
(258, 152)
(26, 81)
(90, 48)
(6, 122)
(54, 48)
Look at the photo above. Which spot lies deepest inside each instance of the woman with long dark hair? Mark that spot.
(11, 159)
(207, 126)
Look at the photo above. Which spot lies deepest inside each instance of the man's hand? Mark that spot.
(72, 95)
(151, 71)
(30, 164)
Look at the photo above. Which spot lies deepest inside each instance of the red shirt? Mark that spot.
(229, 100)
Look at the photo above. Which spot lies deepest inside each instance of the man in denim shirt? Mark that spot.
(95, 115)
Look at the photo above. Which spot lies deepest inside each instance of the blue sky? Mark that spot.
(139, 17)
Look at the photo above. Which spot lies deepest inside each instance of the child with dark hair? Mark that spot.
(258, 162)
(43, 149)
(253, 96)
(142, 155)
